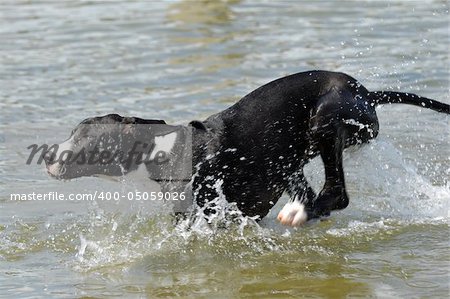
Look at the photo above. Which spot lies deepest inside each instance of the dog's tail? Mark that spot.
(394, 97)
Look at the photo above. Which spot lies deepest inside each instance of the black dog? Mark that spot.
(258, 146)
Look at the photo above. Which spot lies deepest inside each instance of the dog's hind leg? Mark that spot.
(301, 194)
(329, 134)
(333, 195)
(299, 189)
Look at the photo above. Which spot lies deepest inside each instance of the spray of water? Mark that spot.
(385, 191)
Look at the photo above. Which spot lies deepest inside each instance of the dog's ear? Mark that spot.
(143, 121)
(198, 125)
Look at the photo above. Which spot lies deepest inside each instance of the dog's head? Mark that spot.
(109, 145)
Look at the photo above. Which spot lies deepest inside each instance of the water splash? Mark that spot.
(386, 192)
(383, 183)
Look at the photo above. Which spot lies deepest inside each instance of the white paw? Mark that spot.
(292, 214)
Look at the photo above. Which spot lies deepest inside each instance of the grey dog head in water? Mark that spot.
(112, 145)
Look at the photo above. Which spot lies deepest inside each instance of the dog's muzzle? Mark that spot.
(54, 168)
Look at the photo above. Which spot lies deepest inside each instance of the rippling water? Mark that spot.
(61, 62)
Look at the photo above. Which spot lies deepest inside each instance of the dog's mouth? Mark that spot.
(56, 170)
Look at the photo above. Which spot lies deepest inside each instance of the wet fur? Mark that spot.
(258, 146)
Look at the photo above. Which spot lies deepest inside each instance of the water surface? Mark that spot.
(62, 61)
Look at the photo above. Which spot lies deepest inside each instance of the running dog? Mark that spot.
(258, 146)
